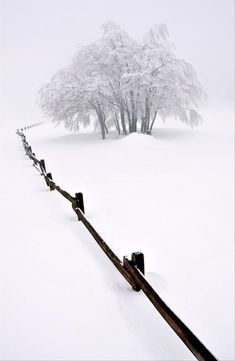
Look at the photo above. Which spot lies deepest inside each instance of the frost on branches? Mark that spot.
(118, 82)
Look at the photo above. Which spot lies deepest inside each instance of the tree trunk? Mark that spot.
(102, 127)
(142, 123)
(101, 121)
(134, 123)
(122, 113)
(154, 117)
(133, 127)
(104, 119)
(105, 128)
(116, 121)
(129, 121)
(147, 114)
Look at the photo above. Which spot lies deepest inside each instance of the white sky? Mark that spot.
(38, 37)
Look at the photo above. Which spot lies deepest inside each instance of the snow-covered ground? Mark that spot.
(169, 196)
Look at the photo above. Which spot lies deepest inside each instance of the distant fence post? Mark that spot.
(49, 175)
(42, 166)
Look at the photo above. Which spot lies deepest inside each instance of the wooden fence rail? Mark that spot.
(132, 270)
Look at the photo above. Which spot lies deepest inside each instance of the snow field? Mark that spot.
(169, 196)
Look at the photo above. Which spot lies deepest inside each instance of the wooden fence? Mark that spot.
(132, 270)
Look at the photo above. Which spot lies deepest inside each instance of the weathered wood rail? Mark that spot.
(132, 270)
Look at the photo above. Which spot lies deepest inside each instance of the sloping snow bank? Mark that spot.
(137, 139)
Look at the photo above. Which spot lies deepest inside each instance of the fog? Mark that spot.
(40, 37)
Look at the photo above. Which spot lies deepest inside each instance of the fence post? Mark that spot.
(34, 161)
(79, 203)
(137, 259)
(135, 287)
(26, 145)
(42, 166)
(49, 175)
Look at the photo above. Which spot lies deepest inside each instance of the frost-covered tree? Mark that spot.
(169, 85)
(123, 83)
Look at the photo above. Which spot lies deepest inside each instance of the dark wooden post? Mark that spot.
(138, 261)
(26, 145)
(49, 175)
(134, 286)
(34, 161)
(42, 166)
(79, 203)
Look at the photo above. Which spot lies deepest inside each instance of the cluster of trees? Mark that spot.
(119, 82)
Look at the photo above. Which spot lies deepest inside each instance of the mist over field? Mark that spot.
(40, 38)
